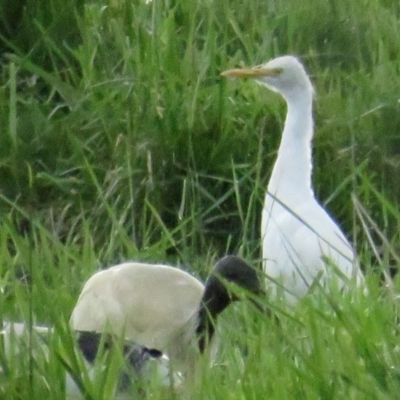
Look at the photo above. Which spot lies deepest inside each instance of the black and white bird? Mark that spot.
(162, 308)
(166, 316)
(300, 241)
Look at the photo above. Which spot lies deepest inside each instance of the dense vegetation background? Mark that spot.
(119, 140)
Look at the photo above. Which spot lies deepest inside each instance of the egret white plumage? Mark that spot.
(300, 241)
(161, 307)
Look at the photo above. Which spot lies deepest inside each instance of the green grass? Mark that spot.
(120, 141)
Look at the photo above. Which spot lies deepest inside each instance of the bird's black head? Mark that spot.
(225, 280)
(233, 270)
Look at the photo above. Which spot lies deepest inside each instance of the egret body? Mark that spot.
(300, 241)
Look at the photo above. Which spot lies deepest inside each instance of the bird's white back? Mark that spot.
(302, 242)
(160, 299)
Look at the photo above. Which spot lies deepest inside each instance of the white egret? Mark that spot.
(300, 241)
(161, 307)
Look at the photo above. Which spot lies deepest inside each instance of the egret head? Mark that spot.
(285, 75)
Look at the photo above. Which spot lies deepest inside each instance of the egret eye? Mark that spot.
(276, 71)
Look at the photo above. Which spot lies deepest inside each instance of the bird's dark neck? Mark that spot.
(293, 166)
(215, 300)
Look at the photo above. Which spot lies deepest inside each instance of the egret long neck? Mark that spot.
(291, 176)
